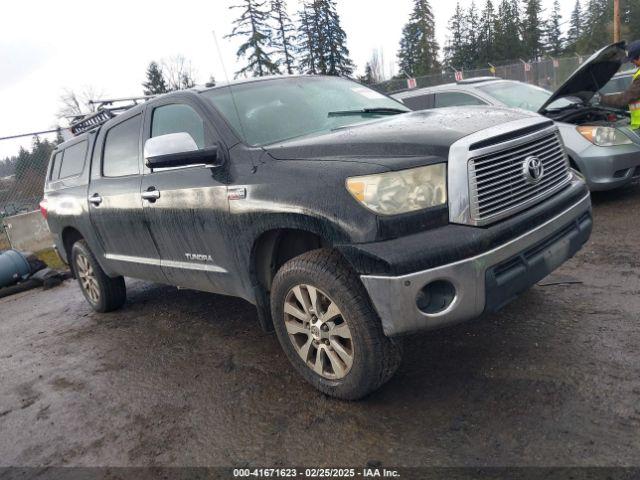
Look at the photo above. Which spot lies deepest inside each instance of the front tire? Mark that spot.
(102, 292)
(328, 329)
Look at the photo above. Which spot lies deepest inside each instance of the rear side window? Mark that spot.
(420, 102)
(55, 168)
(121, 149)
(177, 119)
(73, 160)
(454, 99)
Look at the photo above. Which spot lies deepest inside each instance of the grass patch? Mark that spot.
(51, 258)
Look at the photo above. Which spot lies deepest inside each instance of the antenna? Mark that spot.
(226, 77)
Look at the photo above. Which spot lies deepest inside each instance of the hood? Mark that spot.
(411, 135)
(592, 75)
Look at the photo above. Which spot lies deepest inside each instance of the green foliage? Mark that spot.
(533, 30)
(554, 42)
(322, 40)
(155, 84)
(418, 54)
(284, 37)
(253, 27)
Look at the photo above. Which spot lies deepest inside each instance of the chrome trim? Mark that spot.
(165, 263)
(394, 298)
(462, 209)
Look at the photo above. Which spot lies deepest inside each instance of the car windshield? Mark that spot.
(269, 111)
(522, 95)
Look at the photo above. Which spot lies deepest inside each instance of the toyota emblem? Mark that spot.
(533, 170)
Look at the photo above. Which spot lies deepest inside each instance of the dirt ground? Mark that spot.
(187, 378)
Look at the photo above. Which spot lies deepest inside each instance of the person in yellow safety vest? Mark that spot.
(631, 96)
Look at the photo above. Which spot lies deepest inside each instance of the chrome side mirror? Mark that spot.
(177, 150)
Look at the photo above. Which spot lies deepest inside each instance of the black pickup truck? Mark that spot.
(346, 219)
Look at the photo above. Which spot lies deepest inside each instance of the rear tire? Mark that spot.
(102, 292)
(328, 328)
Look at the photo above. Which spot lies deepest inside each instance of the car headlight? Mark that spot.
(405, 191)
(604, 136)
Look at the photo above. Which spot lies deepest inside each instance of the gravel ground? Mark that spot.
(187, 378)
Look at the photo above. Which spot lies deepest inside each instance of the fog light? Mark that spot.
(436, 297)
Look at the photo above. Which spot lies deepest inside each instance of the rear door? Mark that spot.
(115, 201)
(188, 217)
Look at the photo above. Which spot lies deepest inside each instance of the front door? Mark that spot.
(115, 203)
(186, 211)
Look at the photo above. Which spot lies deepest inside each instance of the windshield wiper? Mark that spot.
(368, 111)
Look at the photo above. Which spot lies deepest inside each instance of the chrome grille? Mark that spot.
(498, 183)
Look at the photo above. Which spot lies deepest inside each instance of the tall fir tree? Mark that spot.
(323, 41)
(533, 29)
(337, 54)
(454, 50)
(598, 25)
(155, 84)
(253, 27)
(284, 37)
(487, 36)
(576, 28)
(306, 44)
(554, 42)
(472, 39)
(508, 43)
(418, 54)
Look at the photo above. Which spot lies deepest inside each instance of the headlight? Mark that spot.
(401, 192)
(604, 136)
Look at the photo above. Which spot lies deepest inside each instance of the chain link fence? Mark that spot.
(23, 166)
(549, 73)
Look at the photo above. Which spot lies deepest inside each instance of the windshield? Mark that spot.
(269, 111)
(522, 95)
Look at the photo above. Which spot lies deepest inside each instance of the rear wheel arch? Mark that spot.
(70, 236)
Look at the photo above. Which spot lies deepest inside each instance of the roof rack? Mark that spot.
(105, 110)
(470, 81)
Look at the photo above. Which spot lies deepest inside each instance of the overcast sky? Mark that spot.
(49, 45)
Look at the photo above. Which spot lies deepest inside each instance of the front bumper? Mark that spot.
(485, 282)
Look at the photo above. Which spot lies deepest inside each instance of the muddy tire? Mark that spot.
(103, 293)
(328, 328)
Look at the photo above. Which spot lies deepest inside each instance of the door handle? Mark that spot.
(95, 199)
(152, 194)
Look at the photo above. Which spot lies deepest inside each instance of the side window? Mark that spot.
(121, 149)
(73, 160)
(455, 99)
(420, 102)
(55, 168)
(176, 119)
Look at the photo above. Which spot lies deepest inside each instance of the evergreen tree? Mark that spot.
(367, 78)
(418, 54)
(155, 84)
(553, 34)
(252, 25)
(323, 40)
(284, 38)
(598, 26)
(307, 62)
(508, 42)
(487, 37)
(337, 53)
(532, 29)
(472, 39)
(576, 28)
(454, 51)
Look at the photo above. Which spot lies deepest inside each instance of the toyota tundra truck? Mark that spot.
(346, 219)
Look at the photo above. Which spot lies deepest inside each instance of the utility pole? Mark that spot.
(616, 21)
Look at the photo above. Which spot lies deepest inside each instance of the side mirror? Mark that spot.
(177, 150)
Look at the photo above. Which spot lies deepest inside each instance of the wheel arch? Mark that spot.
(70, 235)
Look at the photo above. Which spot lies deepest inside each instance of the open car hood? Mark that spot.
(591, 76)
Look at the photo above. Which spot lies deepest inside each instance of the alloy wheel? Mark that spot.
(318, 331)
(88, 280)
